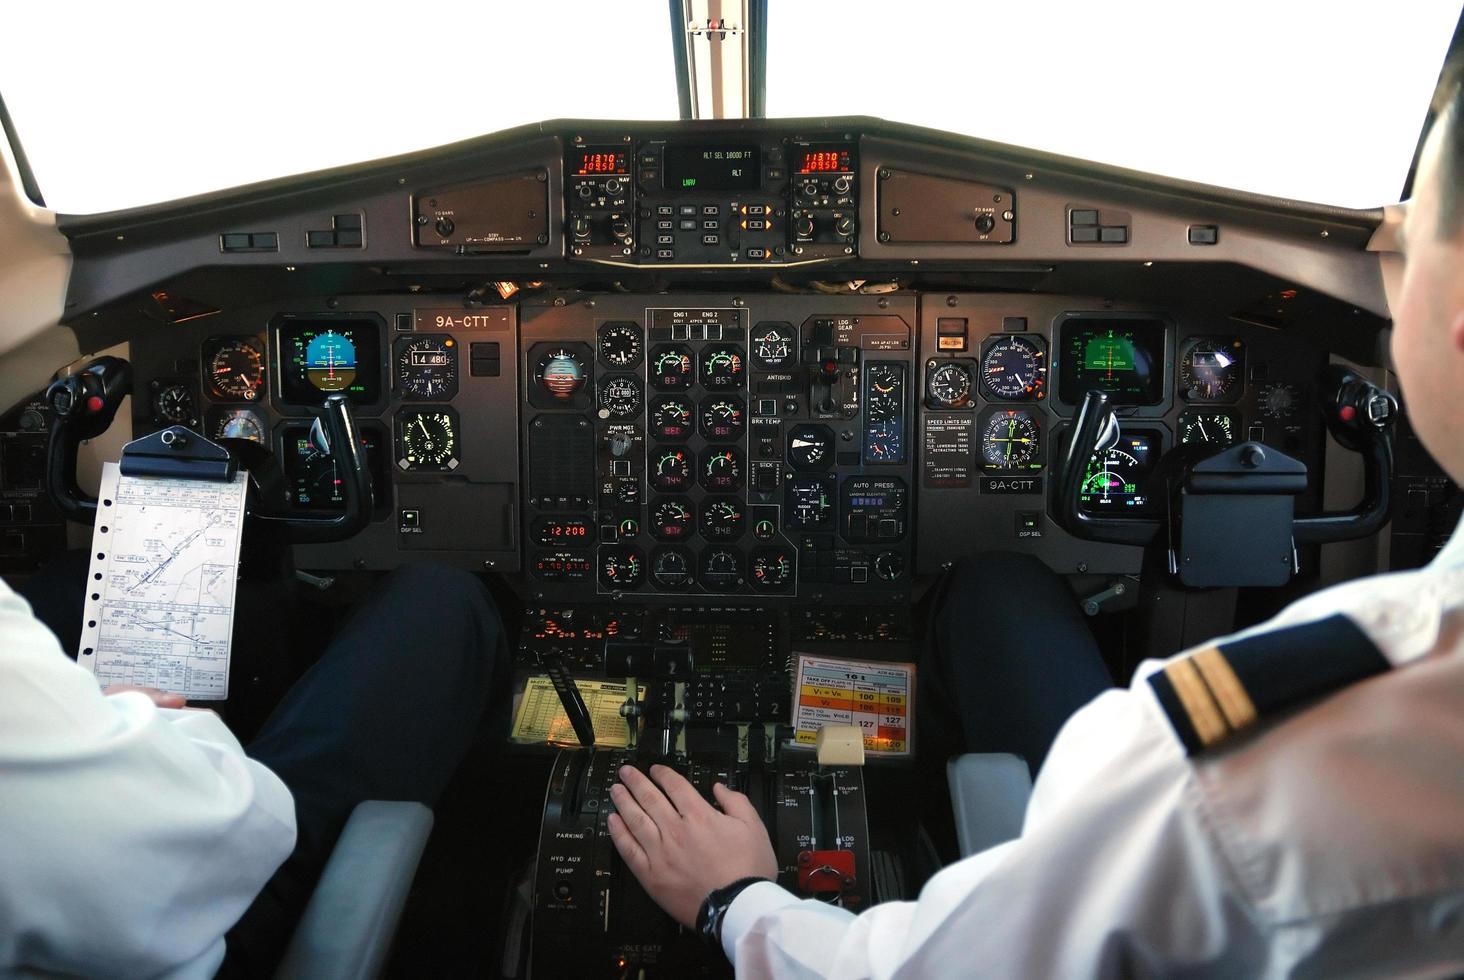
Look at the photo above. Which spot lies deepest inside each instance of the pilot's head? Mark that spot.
(1428, 325)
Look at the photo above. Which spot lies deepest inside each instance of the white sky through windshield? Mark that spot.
(119, 105)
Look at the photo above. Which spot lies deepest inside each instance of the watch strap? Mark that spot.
(714, 907)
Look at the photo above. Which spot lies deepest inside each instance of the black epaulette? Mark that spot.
(1218, 692)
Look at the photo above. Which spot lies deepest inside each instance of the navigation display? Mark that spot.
(1122, 356)
(1117, 480)
(318, 358)
(713, 168)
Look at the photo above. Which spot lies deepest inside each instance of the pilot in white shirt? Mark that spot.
(1311, 828)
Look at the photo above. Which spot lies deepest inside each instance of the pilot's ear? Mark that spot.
(1456, 331)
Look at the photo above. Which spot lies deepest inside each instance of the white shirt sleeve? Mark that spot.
(131, 838)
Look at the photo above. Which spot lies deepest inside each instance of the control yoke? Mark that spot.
(86, 402)
(1209, 495)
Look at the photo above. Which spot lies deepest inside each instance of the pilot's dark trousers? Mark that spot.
(412, 678)
(1008, 659)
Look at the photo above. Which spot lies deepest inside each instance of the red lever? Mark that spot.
(95, 404)
(821, 872)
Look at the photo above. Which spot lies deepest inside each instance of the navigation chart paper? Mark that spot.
(160, 600)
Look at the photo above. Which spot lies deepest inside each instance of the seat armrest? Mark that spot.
(347, 929)
(989, 792)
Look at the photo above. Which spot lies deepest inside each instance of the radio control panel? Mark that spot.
(732, 201)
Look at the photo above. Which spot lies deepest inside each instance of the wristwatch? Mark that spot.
(714, 908)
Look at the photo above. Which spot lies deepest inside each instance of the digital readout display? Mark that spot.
(713, 168)
(601, 162)
(1119, 478)
(826, 159)
(551, 531)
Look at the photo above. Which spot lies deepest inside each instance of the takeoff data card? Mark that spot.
(541, 718)
(877, 697)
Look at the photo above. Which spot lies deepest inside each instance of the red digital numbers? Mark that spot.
(824, 161)
(601, 163)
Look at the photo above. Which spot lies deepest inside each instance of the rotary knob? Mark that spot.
(844, 227)
(586, 190)
(985, 223)
(803, 227)
(613, 186)
(620, 228)
(580, 226)
(841, 185)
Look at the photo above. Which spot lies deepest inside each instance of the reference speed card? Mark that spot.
(877, 697)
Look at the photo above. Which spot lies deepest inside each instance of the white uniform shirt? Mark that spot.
(131, 838)
(1329, 844)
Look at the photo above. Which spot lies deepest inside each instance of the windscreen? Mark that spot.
(1313, 100)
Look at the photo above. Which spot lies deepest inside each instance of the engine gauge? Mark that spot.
(721, 570)
(774, 346)
(810, 502)
(560, 372)
(620, 397)
(235, 369)
(240, 423)
(671, 520)
(722, 367)
(948, 385)
(722, 519)
(620, 344)
(671, 568)
(670, 469)
(1011, 439)
(1211, 368)
(426, 439)
(1279, 401)
(671, 418)
(721, 470)
(1014, 368)
(771, 569)
(810, 447)
(426, 367)
(174, 405)
(1118, 479)
(1209, 428)
(671, 368)
(722, 418)
(621, 567)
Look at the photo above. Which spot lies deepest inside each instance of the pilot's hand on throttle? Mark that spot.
(679, 845)
(163, 699)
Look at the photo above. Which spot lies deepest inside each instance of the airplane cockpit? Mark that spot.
(713, 407)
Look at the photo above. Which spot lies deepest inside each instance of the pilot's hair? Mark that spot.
(1449, 111)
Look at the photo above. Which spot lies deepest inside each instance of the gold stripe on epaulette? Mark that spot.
(1204, 714)
(1239, 709)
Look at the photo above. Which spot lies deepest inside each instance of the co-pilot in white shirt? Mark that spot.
(131, 838)
(1330, 844)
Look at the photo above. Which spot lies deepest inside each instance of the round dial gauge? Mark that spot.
(561, 373)
(810, 502)
(721, 470)
(810, 447)
(670, 469)
(886, 392)
(722, 418)
(671, 368)
(1279, 401)
(721, 570)
(174, 404)
(671, 418)
(771, 569)
(240, 423)
(774, 346)
(1011, 439)
(722, 520)
(722, 366)
(949, 385)
(330, 361)
(427, 367)
(671, 520)
(620, 344)
(671, 568)
(620, 397)
(621, 567)
(235, 370)
(1211, 369)
(426, 440)
(1015, 368)
(1210, 428)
